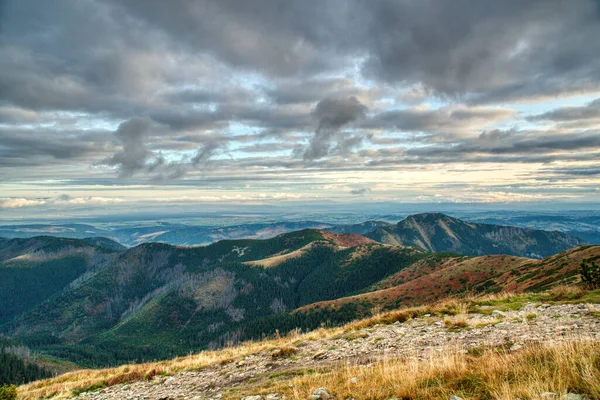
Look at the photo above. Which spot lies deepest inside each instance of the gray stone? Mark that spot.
(572, 396)
(455, 398)
(254, 397)
(320, 394)
(170, 381)
(498, 314)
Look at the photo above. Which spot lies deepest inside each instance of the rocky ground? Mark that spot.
(420, 338)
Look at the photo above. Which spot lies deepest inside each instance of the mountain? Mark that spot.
(437, 232)
(98, 305)
(361, 229)
(440, 276)
(157, 300)
(164, 232)
(33, 270)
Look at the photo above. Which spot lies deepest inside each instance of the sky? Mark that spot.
(145, 104)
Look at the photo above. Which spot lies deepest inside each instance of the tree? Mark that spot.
(590, 273)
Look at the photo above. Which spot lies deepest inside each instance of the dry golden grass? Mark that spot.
(74, 382)
(456, 322)
(64, 386)
(284, 352)
(566, 292)
(562, 368)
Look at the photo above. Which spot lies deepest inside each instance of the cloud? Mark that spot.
(19, 202)
(360, 191)
(331, 115)
(134, 155)
(205, 152)
(485, 51)
(455, 120)
(218, 93)
(63, 199)
(572, 116)
(27, 146)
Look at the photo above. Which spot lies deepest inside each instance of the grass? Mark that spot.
(284, 352)
(489, 374)
(66, 385)
(8, 392)
(456, 322)
(73, 383)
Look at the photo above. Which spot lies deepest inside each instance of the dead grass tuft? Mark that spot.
(494, 374)
(566, 292)
(284, 352)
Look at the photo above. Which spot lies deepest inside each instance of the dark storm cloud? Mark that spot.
(331, 115)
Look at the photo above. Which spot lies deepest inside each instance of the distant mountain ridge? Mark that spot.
(194, 235)
(436, 232)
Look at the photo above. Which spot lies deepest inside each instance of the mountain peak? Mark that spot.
(437, 232)
(429, 216)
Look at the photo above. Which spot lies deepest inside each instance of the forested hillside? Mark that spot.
(15, 366)
(93, 304)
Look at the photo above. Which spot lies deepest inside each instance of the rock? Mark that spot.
(455, 398)
(515, 347)
(253, 397)
(427, 315)
(548, 396)
(572, 396)
(320, 394)
(353, 380)
(169, 381)
(498, 314)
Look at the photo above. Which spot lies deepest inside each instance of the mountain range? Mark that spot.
(96, 303)
(132, 233)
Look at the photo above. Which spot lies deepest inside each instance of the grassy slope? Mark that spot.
(440, 276)
(490, 374)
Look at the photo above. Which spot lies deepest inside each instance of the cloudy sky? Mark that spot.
(130, 102)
